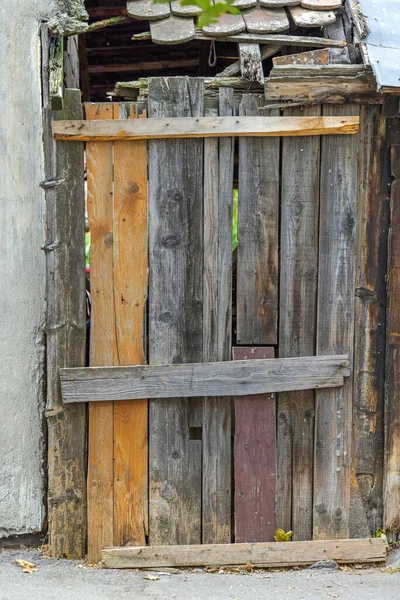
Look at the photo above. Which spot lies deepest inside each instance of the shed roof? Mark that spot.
(172, 23)
(382, 40)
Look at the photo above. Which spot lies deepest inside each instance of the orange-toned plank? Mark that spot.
(99, 159)
(130, 291)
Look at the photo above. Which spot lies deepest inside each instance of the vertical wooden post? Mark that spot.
(217, 328)
(257, 294)
(66, 333)
(391, 494)
(175, 313)
(103, 343)
(297, 325)
(335, 327)
(130, 265)
(370, 324)
(255, 460)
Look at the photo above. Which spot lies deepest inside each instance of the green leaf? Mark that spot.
(281, 536)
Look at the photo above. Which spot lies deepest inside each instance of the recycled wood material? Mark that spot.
(130, 292)
(370, 316)
(297, 330)
(103, 346)
(190, 380)
(255, 460)
(175, 313)
(65, 333)
(335, 329)
(217, 329)
(200, 127)
(257, 268)
(268, 555)
(391, 490)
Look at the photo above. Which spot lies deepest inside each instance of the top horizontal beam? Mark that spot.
(229, 378)
(201, 127)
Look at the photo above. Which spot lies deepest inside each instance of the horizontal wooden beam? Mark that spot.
(256, 38)
(201, 127)
(278, 554)
(154, 65)
(236, 378)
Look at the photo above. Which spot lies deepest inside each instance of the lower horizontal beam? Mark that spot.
(201, 127)
(278, 554)
(236, 378)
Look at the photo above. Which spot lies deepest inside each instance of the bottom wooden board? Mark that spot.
(275, 554)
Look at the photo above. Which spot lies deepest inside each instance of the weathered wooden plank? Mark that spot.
(313, 57)
(335, 329)
(130, 292)
(189, 380)
(257, 290)
(251, 62)
(175, 312)
(234, 68)
(217, 328)
(56, 72)
(297, 326)
(255, 460)
(200, 127)
(65, 334)
(391, 490)
(278, 554)
(370, 317)
(103, 350)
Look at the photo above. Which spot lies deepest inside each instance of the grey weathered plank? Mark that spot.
(257, 293)
(297, 325)
(391, 489)
(335, 329)
(370, 317)
(175, 312)
(277, 554)
(251, 62)
(217, 328)
(65, 333)
(190, 380)
(175, 128)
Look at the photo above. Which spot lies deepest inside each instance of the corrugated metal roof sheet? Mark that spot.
(383, 40)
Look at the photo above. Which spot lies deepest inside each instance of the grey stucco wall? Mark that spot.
(22, 266)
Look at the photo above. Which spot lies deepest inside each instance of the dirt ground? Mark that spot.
(70, 580)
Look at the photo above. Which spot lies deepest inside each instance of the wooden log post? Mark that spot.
(370, 324)
(391, 491)
(65, 333)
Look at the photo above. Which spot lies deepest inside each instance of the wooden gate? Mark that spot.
(169, 288)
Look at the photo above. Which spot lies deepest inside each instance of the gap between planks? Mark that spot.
(264, 554)
(203, 127)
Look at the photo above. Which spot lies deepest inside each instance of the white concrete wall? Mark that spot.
(22, 267)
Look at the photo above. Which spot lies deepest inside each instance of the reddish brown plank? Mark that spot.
(255, 460)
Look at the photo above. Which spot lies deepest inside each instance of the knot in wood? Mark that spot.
(134, 188)
(171, 241)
